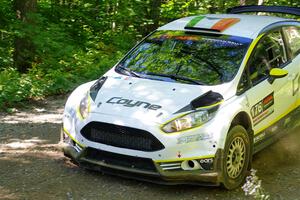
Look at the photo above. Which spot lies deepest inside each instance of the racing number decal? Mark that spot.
(263, 109)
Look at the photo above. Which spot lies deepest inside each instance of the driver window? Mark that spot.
(269, 53)
(293, 39)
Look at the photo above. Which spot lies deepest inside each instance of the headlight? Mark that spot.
(188, 121)
(84, 107)
(68, 119)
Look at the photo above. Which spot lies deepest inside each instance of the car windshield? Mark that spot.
(193, 58)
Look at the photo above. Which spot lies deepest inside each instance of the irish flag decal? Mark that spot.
(211, 23)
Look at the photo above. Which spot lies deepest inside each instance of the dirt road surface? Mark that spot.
(33, 167)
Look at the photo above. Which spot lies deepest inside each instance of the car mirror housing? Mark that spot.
(277, 73)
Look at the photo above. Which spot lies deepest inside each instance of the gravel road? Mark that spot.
(33, 167)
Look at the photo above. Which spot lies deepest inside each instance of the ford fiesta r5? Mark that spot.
(192, 102)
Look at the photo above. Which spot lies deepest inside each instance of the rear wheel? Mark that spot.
(236, 157)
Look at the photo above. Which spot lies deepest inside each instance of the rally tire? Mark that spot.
(236, 157)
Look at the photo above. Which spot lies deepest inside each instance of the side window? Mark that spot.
(269, 53)
(293, 39)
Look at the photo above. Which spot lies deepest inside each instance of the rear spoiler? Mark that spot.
(266, 9)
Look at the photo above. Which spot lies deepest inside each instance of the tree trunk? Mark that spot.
(154, 14)
(260, 2)
(24, 48)
(242, 2)
(23, 7)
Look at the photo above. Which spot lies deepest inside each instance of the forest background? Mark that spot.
(49, 47)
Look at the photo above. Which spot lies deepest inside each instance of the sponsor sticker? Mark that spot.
(193, 138)
(259, 137)
(263, 109)
(117, 77)
(132, 103)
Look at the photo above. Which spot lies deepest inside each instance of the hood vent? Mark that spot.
(206, 99)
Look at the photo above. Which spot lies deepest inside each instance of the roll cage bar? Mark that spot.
(267, 9)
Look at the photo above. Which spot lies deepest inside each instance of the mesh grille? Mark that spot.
(121, 136)
(120, 160)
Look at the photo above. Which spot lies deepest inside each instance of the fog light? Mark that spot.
(190, 165)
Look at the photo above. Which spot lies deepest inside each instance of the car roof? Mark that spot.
(232, 24)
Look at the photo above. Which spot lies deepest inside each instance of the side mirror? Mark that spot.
(277, 73)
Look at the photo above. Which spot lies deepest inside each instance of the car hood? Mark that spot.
(145, 99)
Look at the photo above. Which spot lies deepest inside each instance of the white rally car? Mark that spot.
(192, 102)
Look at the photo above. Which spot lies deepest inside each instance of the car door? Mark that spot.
(292, 37)
(269, 101)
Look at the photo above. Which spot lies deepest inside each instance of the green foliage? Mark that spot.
(72, 41)
(6, 35)
(13, 87)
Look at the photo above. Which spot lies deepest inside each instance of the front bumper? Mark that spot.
(140, 168)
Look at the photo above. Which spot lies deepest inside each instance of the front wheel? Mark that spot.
(236, 157)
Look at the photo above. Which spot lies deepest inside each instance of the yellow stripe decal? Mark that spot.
(69, 134)
(290, 109)
(251, 47)
(183, 159)
(78, 113)
(210, 106)
(179, 116)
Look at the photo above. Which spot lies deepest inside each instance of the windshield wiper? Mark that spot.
(211, 65)
(129, 72)
(175, 77)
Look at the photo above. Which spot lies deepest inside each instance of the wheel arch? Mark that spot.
(242, 118)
